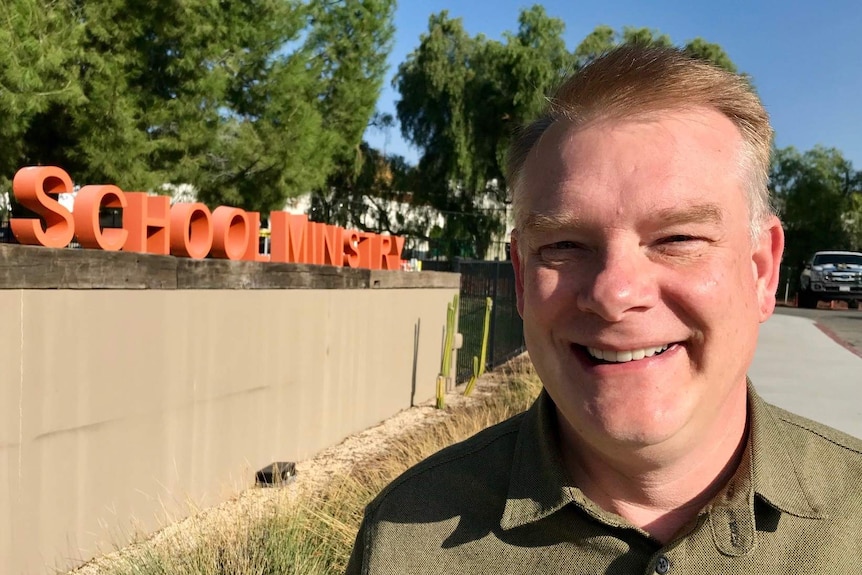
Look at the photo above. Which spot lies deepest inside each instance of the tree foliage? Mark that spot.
(350, 41)
(462, 97)
(251, 102)
(819, 195)
(700, 48)
(377, 197)
(38, 51)
(256, 101)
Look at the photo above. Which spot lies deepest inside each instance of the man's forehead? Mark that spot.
(660, 162)
(683, 127)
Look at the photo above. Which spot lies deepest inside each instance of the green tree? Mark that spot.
(853, 216)
(350, 41)
(818, 193)
(603, 38)
(461, 98)
(700, 48)
(510, 87)
(142, 71)
(434, 111)
(645, 36)
(296, 116)
(375, 198)
(250, 102)
(268, 141)
(39, 49)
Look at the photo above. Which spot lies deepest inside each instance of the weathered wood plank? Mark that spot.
(33, 267)
(386, 279)
(224, 274)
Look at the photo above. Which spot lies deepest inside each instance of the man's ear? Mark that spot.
(518, 264)
(766, 265)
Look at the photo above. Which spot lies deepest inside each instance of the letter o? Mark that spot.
(191, 230)
(230, 234)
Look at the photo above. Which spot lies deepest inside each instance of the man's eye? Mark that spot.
(560, 247)
(681, 243)
(560, 250)
(678, 238)
(563, 246)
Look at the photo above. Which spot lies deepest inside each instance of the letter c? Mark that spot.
(88, 229)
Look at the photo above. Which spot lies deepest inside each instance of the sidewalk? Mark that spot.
(799, 368)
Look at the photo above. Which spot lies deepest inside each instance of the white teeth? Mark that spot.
(624, 356)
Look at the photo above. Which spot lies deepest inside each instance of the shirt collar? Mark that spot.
(776, 470)
(766, 472)
(539, 484)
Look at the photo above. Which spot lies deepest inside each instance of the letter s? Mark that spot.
(36, 188)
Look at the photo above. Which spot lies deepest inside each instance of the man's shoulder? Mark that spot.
(828, 439)
(830, 459)
(478, 466)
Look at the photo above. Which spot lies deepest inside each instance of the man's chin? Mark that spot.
(623, 422)
(633, 434)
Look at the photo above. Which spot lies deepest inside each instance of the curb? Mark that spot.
(837, 339)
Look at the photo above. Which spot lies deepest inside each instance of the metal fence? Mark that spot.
(481, 280)
(6, 236)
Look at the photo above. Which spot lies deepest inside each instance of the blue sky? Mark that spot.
(805, 56)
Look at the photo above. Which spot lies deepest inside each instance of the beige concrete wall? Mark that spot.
(118, 407)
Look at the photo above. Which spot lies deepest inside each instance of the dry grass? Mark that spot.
(312, 531)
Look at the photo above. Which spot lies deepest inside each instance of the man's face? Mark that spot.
(637, 248)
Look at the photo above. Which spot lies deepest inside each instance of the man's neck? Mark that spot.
(659, 495)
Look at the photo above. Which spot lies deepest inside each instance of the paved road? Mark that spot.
(845, 324)
(801, 369)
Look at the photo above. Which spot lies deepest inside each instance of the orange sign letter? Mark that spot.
(252, 252)
(148, 221)
(230, 237)
(87, 226)
(191, 230)
(36, 188)
(351, 248)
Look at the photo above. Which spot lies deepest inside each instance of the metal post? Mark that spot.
(493, 327)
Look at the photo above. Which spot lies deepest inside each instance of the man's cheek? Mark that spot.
(543, 299)
(708, 282)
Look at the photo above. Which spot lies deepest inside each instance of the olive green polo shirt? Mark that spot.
(501, 502)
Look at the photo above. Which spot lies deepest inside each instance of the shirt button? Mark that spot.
(662, 565)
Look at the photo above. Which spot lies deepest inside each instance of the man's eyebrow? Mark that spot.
(695, 214)
(549, 222)
(699, 213)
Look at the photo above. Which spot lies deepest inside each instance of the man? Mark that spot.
(646, 257)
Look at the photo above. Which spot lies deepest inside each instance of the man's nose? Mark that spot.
(621, 281)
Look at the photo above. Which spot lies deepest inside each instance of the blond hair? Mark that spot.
(635, 80)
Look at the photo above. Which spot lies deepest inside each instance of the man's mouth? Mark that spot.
(612, 356)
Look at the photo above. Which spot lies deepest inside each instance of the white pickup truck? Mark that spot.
(832, 275)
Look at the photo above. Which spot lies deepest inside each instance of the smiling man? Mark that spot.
(646, 257)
